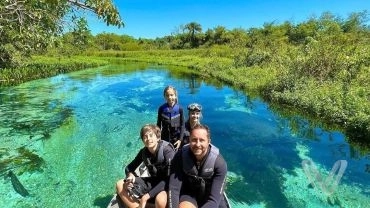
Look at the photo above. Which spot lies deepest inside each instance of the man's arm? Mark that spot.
(175, 181)
(218, 182)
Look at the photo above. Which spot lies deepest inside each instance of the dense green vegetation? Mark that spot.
(320, 67)
(31, 26)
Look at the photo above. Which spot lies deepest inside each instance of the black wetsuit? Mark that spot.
(187, 131)
(159, 181)
(182, 187)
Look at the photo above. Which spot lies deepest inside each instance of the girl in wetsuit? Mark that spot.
(195, 114)
(170, 118)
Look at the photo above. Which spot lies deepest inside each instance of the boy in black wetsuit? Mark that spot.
(136, 189)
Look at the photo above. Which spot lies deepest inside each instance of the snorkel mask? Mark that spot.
(194, 107)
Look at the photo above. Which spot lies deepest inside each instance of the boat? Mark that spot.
(116, 202)
(142, 171)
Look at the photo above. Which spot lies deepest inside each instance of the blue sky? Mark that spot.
(158, 18)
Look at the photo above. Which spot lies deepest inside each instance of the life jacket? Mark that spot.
(170, 120)
(201, 179)
(160, 168)
(171, 116)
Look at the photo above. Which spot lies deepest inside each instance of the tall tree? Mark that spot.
(356, 22)
(27, 26)
(220, 35)
(193, 28)
(81, 34)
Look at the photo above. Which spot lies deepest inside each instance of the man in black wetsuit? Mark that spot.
(198, 173)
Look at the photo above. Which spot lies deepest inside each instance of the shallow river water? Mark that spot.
(64, 141)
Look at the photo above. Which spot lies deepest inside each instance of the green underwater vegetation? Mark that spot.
(24, 160)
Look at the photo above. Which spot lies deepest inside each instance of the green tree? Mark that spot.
(108, 41)
(239, 38)
(221, 35)
(209, 36)
(329, 24)
(303, 31)
(192, 29)
(356, 22)
(29, 26)
(81, 34)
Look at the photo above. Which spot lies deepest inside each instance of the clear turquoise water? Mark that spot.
(68, 137)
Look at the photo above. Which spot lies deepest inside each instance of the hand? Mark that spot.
(177, 144)
(129, 181)
(130, 178)
(127, 185)
(143, 200)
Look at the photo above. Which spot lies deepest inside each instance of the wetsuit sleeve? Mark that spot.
(182, 124)
(168, 153)
(175, 181)
(218, 181)
(156, 189)
(134, 163)
(159, 117)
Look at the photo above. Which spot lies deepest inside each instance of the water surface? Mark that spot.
(67, 138)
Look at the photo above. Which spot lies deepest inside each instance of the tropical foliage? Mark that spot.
(30, 26)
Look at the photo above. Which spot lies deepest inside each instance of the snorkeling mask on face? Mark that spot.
(194, 107)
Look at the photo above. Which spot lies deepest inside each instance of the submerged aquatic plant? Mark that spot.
(30, 161)
(25, 161)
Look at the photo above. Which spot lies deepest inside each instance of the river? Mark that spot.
(67, 138)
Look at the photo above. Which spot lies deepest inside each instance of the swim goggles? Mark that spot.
(194, 107)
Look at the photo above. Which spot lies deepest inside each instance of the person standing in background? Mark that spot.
(170, 118)
(194, 116)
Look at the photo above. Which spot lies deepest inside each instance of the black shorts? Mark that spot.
(193, 200)
(146, 185)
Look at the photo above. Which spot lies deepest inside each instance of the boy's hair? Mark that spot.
(150, 127)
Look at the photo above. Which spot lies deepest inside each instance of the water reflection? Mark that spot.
(70, 135)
